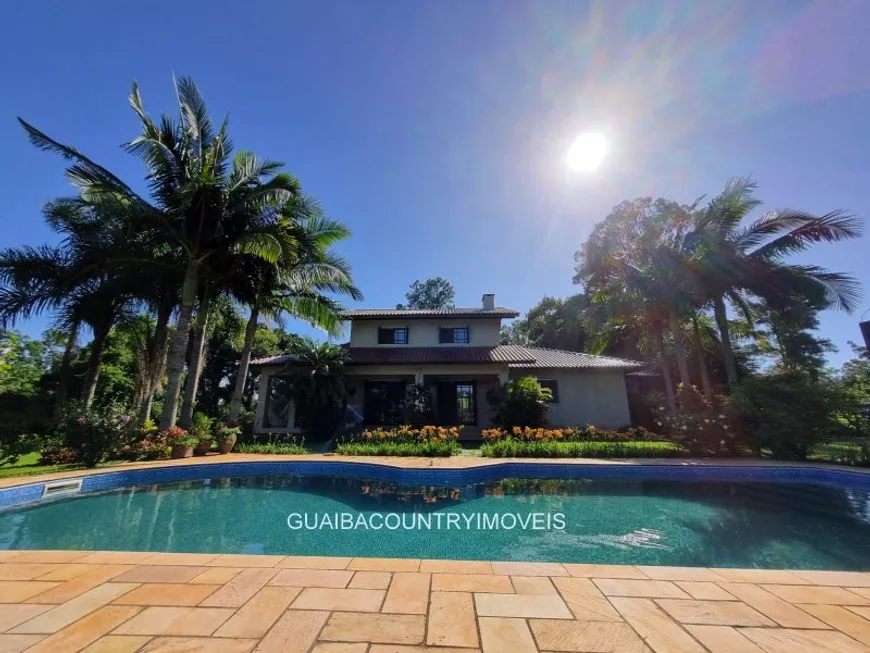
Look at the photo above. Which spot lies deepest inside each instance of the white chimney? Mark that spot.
(488, 301)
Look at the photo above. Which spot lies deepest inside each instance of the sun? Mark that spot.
(587, 152)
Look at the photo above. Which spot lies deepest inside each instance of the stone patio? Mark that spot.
(119, 602)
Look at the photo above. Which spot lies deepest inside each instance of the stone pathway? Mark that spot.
(119, 602)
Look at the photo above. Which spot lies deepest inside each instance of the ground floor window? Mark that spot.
(278, 403)
(457, 403)
(553, 387)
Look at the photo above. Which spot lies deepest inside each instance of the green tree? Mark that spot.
(430, 294)
(552, 323)
(726, 259)
(319, 385)
(22, 363)
(298, 283)
(206, 204)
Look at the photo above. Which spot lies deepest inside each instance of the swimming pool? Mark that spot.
(800, 518)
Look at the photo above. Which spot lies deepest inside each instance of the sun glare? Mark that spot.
(587, 152)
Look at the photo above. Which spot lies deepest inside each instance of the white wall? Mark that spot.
(483, 332)
(586, 396)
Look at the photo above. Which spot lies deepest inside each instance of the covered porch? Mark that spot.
(458, 394)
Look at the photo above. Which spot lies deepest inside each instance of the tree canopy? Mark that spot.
(429, 294)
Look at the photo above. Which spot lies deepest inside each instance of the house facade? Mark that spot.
(455, 353)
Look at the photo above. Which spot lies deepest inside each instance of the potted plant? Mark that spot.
(226, 437)
(181, 441)
(201, 429)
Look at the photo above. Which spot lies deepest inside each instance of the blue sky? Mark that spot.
(437, 130)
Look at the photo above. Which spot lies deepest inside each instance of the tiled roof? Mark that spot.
(515, 356)
(553, 358)
(364, 313)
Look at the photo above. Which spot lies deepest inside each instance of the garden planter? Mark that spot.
(182, 451)
(226, 445)
(202, 448)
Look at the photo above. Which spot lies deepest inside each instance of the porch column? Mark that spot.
(418, 376)
(504, 376)
(261, 400)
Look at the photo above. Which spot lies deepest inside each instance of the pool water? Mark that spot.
(649, 522)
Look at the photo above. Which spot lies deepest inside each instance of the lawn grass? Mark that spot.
(28, 465)
(509, 448)
(844, 452)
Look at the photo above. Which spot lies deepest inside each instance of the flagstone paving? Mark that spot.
(128, 602)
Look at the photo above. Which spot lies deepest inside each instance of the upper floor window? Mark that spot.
(393, 336)
(453, 336)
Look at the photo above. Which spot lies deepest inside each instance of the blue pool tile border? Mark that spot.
(842, 478)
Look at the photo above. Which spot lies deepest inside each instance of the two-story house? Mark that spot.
(455, 353)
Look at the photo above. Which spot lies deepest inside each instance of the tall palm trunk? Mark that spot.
(244, 362)
(65, 370)
(197, 362)
(679, 350)
(178, 348)
(725, 339)
(156, 360)
(98, 347)
(667, 379)
(702, 358)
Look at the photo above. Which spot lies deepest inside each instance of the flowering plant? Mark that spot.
(178, 437)
(94, 433)
(409, 434)
(588, 433)
(706, 427)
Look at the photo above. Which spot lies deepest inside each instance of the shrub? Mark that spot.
(201, 426)
(520, 402)
(586, 433)
(94, 433)
(55, 454)
(176, 436)
(706, 427)
(787, 413)
(286, 448)
(223, 432)
(428, 449)
(510, 448)
(402, 441)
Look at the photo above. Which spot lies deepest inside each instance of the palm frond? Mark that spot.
(806, 229)
(842, 291)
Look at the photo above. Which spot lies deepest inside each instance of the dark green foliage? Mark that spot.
(428, 449)
(94, 433)
(788, 414)
(520, 402)
(318, 385)
(552, 323)
(418, 405)
(511, 448)
(432, 293)
(289, 447)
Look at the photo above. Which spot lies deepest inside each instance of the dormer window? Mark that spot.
(397, 336)
(453, 336)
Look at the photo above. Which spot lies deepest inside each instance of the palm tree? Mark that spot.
(727, 260)
(71, 278)
(295, 285)
(203, 201)
(318, 384)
